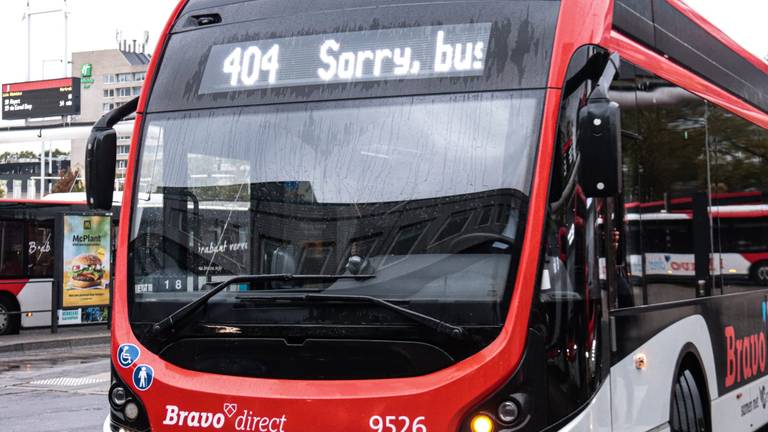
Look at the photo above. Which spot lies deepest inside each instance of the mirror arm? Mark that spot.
(111, 118)
(610, 71)
(591, 71)
(100, 157)
(556, 206)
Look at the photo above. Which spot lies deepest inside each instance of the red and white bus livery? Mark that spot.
(740, 250)
(28, 258)
(409, 216)
(27, 261)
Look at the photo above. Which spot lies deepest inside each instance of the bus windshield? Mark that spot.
(427, 194)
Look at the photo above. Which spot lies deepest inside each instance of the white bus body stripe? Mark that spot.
(36, 296)
(641, 397)
(669, 264)
(597, 416)
(743, 409)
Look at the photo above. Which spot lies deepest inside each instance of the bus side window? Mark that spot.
(40, 243)
(739, 165)
(11, 248)
(623, 240)
(665, 175)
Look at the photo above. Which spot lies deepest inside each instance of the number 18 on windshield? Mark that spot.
(418, 52)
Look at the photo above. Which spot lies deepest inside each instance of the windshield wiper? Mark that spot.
(172, 321)
(428, 321)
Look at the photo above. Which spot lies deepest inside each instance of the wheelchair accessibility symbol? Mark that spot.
(127, 354)
(143, 376)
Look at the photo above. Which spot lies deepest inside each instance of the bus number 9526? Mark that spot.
(397, 424)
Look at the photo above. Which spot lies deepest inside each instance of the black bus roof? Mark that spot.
(654, 23)
(666, 29)
(319, 5)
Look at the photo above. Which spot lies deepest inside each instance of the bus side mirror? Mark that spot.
(100, 160)
(100, 157)
(599, 146)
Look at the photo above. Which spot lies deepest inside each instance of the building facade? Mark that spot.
(108, 79)
(20, 178)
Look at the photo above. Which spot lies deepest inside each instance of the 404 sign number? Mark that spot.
(397, 424)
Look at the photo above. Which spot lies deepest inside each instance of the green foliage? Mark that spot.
(7, 157)
(26, 154)
(739, 153)
(676, 142)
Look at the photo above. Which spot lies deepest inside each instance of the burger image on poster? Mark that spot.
(86, 271)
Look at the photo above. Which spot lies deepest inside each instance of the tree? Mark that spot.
(57, 153)
(6, 157)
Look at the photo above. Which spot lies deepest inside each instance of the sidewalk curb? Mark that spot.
(55, 343)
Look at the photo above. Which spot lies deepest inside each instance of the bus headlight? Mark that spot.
(519, 404)
(131, 411)
(508, 411)
(126, 412)
(118, 396)
(482, 423)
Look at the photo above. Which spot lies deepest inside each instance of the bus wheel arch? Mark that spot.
(12, 322)
(690, 401)
(759, 272)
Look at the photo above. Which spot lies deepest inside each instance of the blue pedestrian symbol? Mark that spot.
(143, 376)
(127, 354)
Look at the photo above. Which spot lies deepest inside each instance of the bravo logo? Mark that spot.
(246, 421)
(745, 356)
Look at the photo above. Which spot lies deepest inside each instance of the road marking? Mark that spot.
(72, 381)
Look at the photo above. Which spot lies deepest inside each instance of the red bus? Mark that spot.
(28, 260)
(409, 216)
(740, 240)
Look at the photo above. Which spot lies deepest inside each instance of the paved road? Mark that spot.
(58, 390)
(61, 390)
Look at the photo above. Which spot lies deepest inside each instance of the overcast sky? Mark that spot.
(743, 20)
(93, 25)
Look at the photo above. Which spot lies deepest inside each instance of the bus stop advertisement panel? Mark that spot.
(84, 271)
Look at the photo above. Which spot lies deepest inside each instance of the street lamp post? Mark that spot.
(28, 16)
(64, 61)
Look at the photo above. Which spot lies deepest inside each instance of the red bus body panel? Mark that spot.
(13, 286)
(41, 202)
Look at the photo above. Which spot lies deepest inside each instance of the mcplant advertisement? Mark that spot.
(86, 260)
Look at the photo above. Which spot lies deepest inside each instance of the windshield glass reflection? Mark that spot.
(397, 188)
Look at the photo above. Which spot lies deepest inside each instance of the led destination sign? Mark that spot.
(406, 53)
(35, 99)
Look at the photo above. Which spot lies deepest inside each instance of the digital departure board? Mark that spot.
(405, 53)
(35, 99)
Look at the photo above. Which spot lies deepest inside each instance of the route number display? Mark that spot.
(405, 53)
